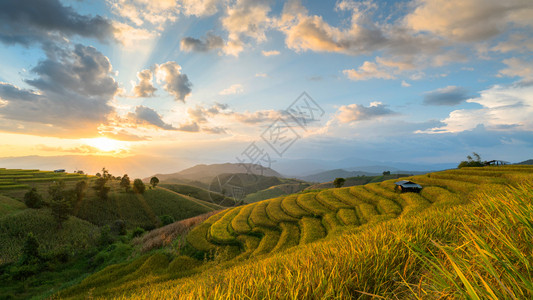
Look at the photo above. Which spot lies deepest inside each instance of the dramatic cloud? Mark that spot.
(200, 8)
(28, 21)
(210, 42)
(448, 96)
(355, 112)
(74, 87)
(517, 68)
(270, 53)
(503, 108)
(469, 20)
(146, 115)
(233, 89)
(145, 88)
(175, 83)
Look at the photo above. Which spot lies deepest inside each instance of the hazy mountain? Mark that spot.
(304, 167)
(205, 173)
(526, 162)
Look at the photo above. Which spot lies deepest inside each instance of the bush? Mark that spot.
(119, 227)
(137, 232)
(33, 199)
(105, 236)
(166, 219)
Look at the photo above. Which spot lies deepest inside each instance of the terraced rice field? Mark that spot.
(277, 224)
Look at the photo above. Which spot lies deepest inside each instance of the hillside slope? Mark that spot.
(359, 254)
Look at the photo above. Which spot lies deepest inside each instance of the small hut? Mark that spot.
(408, 186)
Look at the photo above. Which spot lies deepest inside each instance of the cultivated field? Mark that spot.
(451, 240)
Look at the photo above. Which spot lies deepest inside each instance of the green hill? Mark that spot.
(276, 191)
(199, 193)
(451, 240)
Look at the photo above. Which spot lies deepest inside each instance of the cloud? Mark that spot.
(264, 75)
(199, 8)
(448, 96)
(233, 89)
(270, 53)
(516, 42)
(28, 21)
(73, 91)
(469, 20)
(367, 71)
(175, 83)
(80, 149)
(146, 115)
(189, 127)
(140, 11)
(405, 83)
(245, 19)
(503, 108)
(517, 67)
(145, 88)
(206, 44)
(356, 112)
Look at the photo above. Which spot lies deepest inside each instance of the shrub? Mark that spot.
(137, 232)
(33, 199)
(105, 236)
(339, 182)
(166, 220)
(30, 251)
(119, 227)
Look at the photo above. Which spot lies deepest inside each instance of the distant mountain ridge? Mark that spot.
(205, 173)
(526, 162)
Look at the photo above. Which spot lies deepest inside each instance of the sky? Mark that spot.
(422, 81)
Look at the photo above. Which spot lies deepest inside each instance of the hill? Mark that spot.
(276, 191)
(351, 242)
(526, 162)
(134, 209)
(205, 173)
(199, 193)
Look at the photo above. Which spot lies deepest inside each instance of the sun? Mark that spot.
(106, 144)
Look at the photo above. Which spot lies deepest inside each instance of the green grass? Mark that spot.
(9, 205)
(197, 192)
(268, 241)
(290, 236)
(198, 236)
(75, 235)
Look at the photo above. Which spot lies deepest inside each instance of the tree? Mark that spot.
(60, 202)
(138, 186)
(101, 188)
(154, 181)
(125, 182)
(30, 250)
(474, 161)
(98, 175)
(386, 173)
(79, 189)
(338, 182)
(33, 199)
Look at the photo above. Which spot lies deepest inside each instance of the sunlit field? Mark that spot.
(467, 234)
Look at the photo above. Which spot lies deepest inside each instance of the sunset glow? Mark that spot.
(106, 144)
